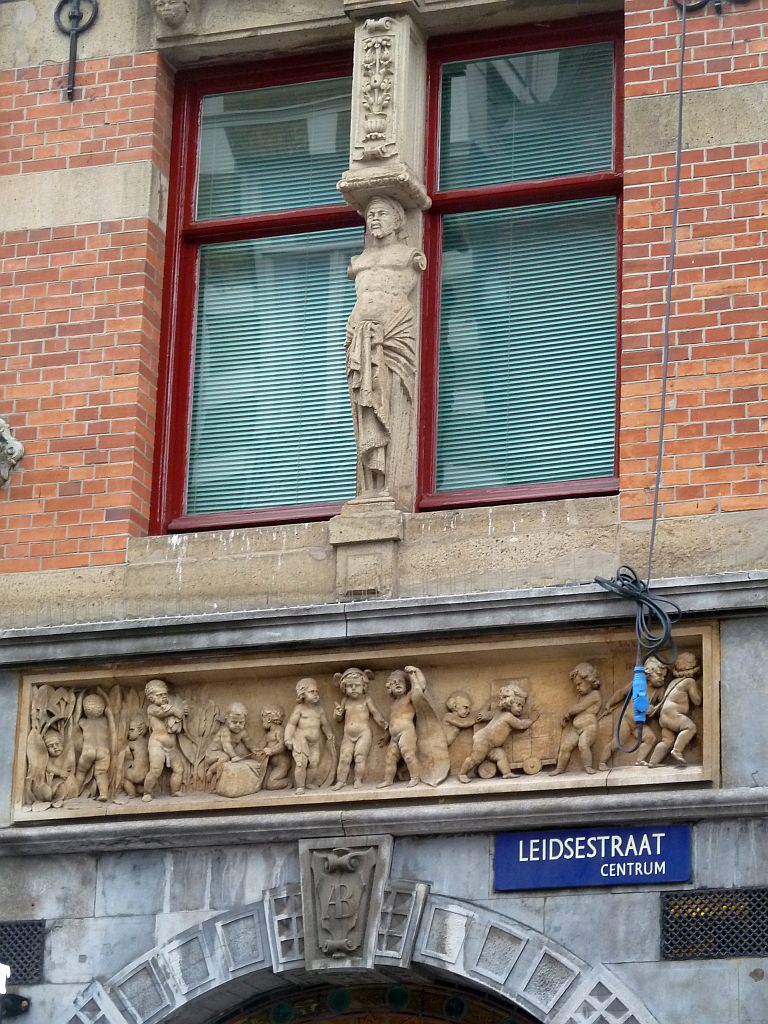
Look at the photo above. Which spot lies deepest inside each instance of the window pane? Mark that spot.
(271, 420)
(273, 149)
(526, 116)
(527, 376)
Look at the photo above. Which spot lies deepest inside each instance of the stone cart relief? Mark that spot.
(381, 347)
(358, 731)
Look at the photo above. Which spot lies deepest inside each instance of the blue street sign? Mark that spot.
(578, 857)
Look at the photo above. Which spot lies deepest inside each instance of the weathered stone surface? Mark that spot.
(633, 934)
(48, 887)
(77, 950)
(732, 853)
(135, 880)
(712, 117)
(687, 992)
(744, 733)
(9, 708)
(449, 865)
(239, 876)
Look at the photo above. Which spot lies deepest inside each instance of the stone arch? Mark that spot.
(237, 955)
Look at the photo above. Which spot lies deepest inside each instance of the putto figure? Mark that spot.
(415, 732)
(580, 720)
(171, 12)
(459, 715)
(677, 729)
(488, 742)
(656, 674)
(303, 736)
(381, 345)
(231, 742)
(165, 719)
(98, 729)
(356, 711)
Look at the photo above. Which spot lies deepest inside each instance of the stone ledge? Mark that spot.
(721, 595)
(453, 817)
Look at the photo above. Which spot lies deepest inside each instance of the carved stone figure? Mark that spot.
(580, 720)
(356, 711)
(488, 742)
(231, 742)
(416, 733)
(134, 757)
(11, 450)
(656, 675)
(171, 12)
(459, 716)
(304, 737)
(381, 345)
(677, 729)
(60, 771)
(98, 728)
(165, 723)
(278, 759)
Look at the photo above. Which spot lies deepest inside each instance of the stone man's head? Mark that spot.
(171, 12)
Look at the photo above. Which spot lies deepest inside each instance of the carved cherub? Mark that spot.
(134, 758)
(488, 742)
(656, 676)
(580, 720)
(304, 731)
(459, 715)
(98, 729)
(415, 732)
(165, 723)
(677, 729)
(231, 742)
(356, 711)
(60, 770)
(274, 750)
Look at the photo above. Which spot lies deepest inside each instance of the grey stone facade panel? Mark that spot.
(629, 928)
(79, 949)
(130, 880)
(48, 887)
(731, 853)
(9, 710)
(744, 734)
(459, 865)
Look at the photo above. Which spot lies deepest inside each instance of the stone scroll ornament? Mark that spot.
(342, 887)
(376, 90)
(381, 345)
(11, 451)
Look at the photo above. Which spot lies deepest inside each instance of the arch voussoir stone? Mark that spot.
(232, 957)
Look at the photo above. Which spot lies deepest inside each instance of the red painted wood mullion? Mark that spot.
(254, 517)
(527, 193)
(284, 222)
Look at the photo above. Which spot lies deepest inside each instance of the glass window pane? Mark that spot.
(527, 375)
(526, 116)
(273, 149)
(271, 420)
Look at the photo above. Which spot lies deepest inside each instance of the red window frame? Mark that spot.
(581, 186)
(184, 236)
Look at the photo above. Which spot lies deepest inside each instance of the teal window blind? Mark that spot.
(271, 422)
(527, 372)
(526, 116)
(271, 149)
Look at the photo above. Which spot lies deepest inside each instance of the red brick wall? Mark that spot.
(79, 321)
(716, 441)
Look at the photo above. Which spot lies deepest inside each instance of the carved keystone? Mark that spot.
(342, 891)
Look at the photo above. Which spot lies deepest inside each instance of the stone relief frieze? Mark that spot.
(476, 719)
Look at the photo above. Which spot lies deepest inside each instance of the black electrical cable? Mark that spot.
(654, 616)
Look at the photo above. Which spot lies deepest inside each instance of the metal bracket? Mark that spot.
(79, 21)
(697, 5)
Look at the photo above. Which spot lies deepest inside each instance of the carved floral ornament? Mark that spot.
(378, 75)
(496, 717)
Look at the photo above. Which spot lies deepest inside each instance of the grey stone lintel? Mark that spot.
(447, 817)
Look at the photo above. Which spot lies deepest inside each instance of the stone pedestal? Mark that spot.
(366, 535)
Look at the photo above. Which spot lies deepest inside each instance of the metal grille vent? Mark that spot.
(21, 947)
(712, 924)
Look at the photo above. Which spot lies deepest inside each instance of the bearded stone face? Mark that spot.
(171, 12)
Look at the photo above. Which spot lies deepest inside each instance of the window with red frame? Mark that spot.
(519, 360)
(255, 418)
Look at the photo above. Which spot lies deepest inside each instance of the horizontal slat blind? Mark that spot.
(527, 372)
(271, 421)
(280, 148)
(526, 116)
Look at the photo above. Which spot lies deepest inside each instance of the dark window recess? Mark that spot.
(21, 948)
(710, 924)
